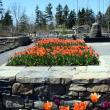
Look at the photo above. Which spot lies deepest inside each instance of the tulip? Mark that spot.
(80, 106)
(47, 105)
(94, 97)
(64, 107)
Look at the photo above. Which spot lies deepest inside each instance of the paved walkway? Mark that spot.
(6, 55)
(103, 49)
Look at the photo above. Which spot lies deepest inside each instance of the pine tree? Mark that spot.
(71, 19)
(7, 20)
(48, 13)
(59, 15)
(40, 19)
(23, 25)
(89, 17)
(65, 15)
(107, 16)
(81, 17)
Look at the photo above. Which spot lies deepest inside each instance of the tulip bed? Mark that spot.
(93, 103)
(54, 51)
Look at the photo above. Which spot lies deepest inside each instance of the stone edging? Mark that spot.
(55, 74)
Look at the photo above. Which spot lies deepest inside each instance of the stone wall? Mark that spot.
(7, 43)
(29, 87)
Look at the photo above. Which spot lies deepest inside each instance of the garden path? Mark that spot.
(103, 49)
(6, 55)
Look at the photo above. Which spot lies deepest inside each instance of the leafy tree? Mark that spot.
(59, 15)
(7, 20)
(23, 24)
(71, 21)
(65, 15)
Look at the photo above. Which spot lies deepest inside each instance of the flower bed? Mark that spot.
(54, 51)
(93, 103)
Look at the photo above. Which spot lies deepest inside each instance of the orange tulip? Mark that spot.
(80, 106)
(94, 97)
(64, 107)
(59, 46)
(47, 105)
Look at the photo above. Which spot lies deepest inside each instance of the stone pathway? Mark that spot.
(104, 51)
(6, 55)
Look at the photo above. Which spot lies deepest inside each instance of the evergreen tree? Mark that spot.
(7, 20)
(107, 16)
(71, 19)
(81, 17)
(40, 19)
(37, 11)
(86, 17)
(23, 24)
(89, 17)
(48, 13)
(65, 15)
(59, 15)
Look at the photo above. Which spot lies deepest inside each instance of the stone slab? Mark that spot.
(92, 75)
(61, 75)
(98, 69)
(9, 72)
(33, 75)
(53, 75)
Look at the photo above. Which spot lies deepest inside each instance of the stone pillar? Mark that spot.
(95, 31)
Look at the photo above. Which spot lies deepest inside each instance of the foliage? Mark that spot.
(40, 19)
(59, 15)
(23, 24)
(107, 16)
(48, 13)
(54, 51)
(7, 20)
(71, 21)
(92, 103)
(65, 15)
(86, 17)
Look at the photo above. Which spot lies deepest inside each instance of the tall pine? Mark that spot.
(59, 15)
(7, 20)
(48, 13)
(71, 21)
(65, 15)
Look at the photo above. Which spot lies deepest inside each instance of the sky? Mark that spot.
(30, 5)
